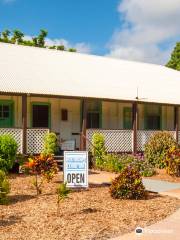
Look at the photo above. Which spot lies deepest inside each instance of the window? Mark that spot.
(6, 113)
(41, 115)
(64, 115)
(153, 117)
(92, 120)
(127, 118)
(93, 114)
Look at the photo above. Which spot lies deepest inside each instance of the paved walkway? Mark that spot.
(167, 229)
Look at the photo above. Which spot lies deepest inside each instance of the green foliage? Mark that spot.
(98, 150)
(174, 62)
(50, 144)
(17, 36)
(116, 163)
(5, 35)
(8, 150)
(52, 47)
(173, 161)
(41, 38)
(128, 185)
(44, 167)
(157, 148)
(72, 50)
(143, 166)
(112, 163)
(37, 41)
(4, 188)
(63, 191)
(61, 47)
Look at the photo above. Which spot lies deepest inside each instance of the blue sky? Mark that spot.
(129, 29)
(91, 22)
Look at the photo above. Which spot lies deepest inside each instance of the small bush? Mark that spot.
(44, 167)
(8, 150)
(112, 163)
(63, 191)
(128, 185)
(144, 167)
(157, 148)
(4, 188)
(98, 150)
(50, 144)
(173, 161)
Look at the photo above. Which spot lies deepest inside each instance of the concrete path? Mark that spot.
(159, 186)
(167, 229)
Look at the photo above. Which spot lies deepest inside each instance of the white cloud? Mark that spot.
(147, 25)
(81, 47)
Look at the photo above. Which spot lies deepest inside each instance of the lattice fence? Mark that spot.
(115, 140)
(16, 133)
(35, 139)
(143, 137)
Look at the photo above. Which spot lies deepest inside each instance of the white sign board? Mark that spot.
(68, 145)
(76, 168)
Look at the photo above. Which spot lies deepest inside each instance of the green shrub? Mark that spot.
(8, 150)
(4, 188)
(50, 144)
(63, 191)
(98, 150)
(128, 185)
(157, 148)
(112, 163)
(173, 161)
(144, 167)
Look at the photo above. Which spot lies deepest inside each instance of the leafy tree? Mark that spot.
(35, 41)
(174, 62)
(17, 36)
(5, 35)
(41, 38)
(72, 50)
(61, 47)
(52, 47)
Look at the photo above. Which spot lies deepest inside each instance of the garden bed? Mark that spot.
(88, 214)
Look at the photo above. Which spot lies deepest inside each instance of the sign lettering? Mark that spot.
(76, 168)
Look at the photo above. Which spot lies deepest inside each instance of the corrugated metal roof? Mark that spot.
(50, 72)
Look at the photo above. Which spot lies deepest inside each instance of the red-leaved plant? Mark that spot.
(44, 167)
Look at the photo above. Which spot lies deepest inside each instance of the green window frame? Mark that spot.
(6, 115)
(127, 118)
(146, 127)
(41, 104)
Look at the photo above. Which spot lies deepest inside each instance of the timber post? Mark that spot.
(24, 123)
(176, 118)
(84, 125)
(134, 121)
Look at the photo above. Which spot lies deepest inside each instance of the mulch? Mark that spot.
(86, 214)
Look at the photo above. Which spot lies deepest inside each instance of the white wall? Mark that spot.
(17, 108)
(65, 128)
